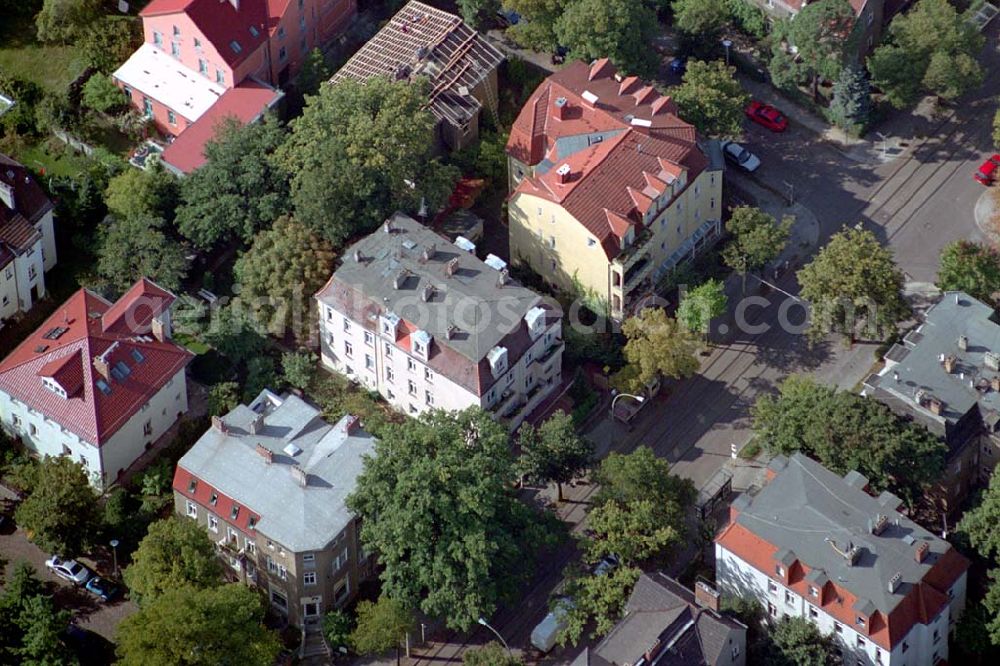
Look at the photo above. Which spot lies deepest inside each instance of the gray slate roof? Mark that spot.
(808, 510)
(299, 518)
(663, 612)
(470, 299)
(917, 364)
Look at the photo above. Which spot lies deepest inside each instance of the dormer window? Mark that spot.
(498, 360)
(535, 320)
(214, 499)
(193, 486)
(779, 570)
(421, 344)
(389, 325)
(860, 621)
(54, 386)
(235, 512)
(813, 592)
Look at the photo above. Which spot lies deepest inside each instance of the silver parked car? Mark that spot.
(70, 570)
(740, 156)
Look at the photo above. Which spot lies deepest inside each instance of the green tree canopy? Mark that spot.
(851, 107)
(199, 627)
(711, 99)
(281, 271)
(110, 41)
(970, 267)
(699, 306)
(438, 508)
(136, 193)
(65, 20)
(853, 280)
(101, 94)
(349, 181)
(930, 48)
(599, 599)
(638, 512)
(298, 368)
(478, 13)
(795, 641)
(757, 239)
(658, 346)
(313, 74)
(381, 626)
(980, 522)
(238, 191)
(820, 32)
(60, 512)
(621, 30)
(223, 397)
(134, 247)
(31, 629)
(553, 451)
(700, 24)
(234, 333)
(845, 432)
(175, 553)
(537, 29)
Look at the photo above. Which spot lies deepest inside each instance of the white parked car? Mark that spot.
(70, 570)
(543, 636)
(740, 156)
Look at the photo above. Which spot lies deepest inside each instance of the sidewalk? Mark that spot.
(897, 134)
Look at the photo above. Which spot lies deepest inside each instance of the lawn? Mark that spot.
(37, 156)
(51, 66)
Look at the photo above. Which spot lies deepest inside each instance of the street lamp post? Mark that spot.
(486, 624)
(114, 551)
(638, 398)
(727, 43)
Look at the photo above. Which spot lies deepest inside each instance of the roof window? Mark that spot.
(103, 387)
(254, 31)
(137, 356)
(120, 371)
(235, 46)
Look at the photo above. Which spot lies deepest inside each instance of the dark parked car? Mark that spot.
(103, 588)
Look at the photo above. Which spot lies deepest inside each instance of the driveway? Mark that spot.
(88, 612)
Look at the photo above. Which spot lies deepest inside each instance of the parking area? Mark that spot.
(88, 611)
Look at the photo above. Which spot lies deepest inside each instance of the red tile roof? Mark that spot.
(91, 327)
(223, 506)
(221, 23)
(246, 103)
(642, 147)
(29, 198)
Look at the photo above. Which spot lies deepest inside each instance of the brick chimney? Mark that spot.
(562, 174)
(920, 552)
(300, 475)
(102, 367)
(949, 364)
(257, 424)
(934, 405)
(559, 108)
(451, 267)
(706, 596)
(265, 453)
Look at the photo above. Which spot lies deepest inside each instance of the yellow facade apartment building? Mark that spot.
(610, 189)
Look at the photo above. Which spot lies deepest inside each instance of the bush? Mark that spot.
(584, 397)
(101, 94)
(748, 18)
(605, 349)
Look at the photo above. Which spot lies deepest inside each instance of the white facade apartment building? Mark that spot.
(27, 239)
(98, 382)
(430, 326)
(812, 544)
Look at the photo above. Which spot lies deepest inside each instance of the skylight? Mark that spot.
(120, 371)
(235, 46)
(137, 355)
(253, 31)
(54, 333)
(103, 386)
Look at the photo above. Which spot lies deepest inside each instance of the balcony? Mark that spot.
(638, 274)
(556, 346)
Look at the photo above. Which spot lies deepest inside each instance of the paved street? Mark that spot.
(917, 200)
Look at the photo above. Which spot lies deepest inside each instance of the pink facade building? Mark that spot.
(204, 60)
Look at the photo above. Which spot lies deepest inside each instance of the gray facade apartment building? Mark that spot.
(945, 375)
(268, 481)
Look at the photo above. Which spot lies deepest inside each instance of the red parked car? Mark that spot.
(766, 115)
(987, 173)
